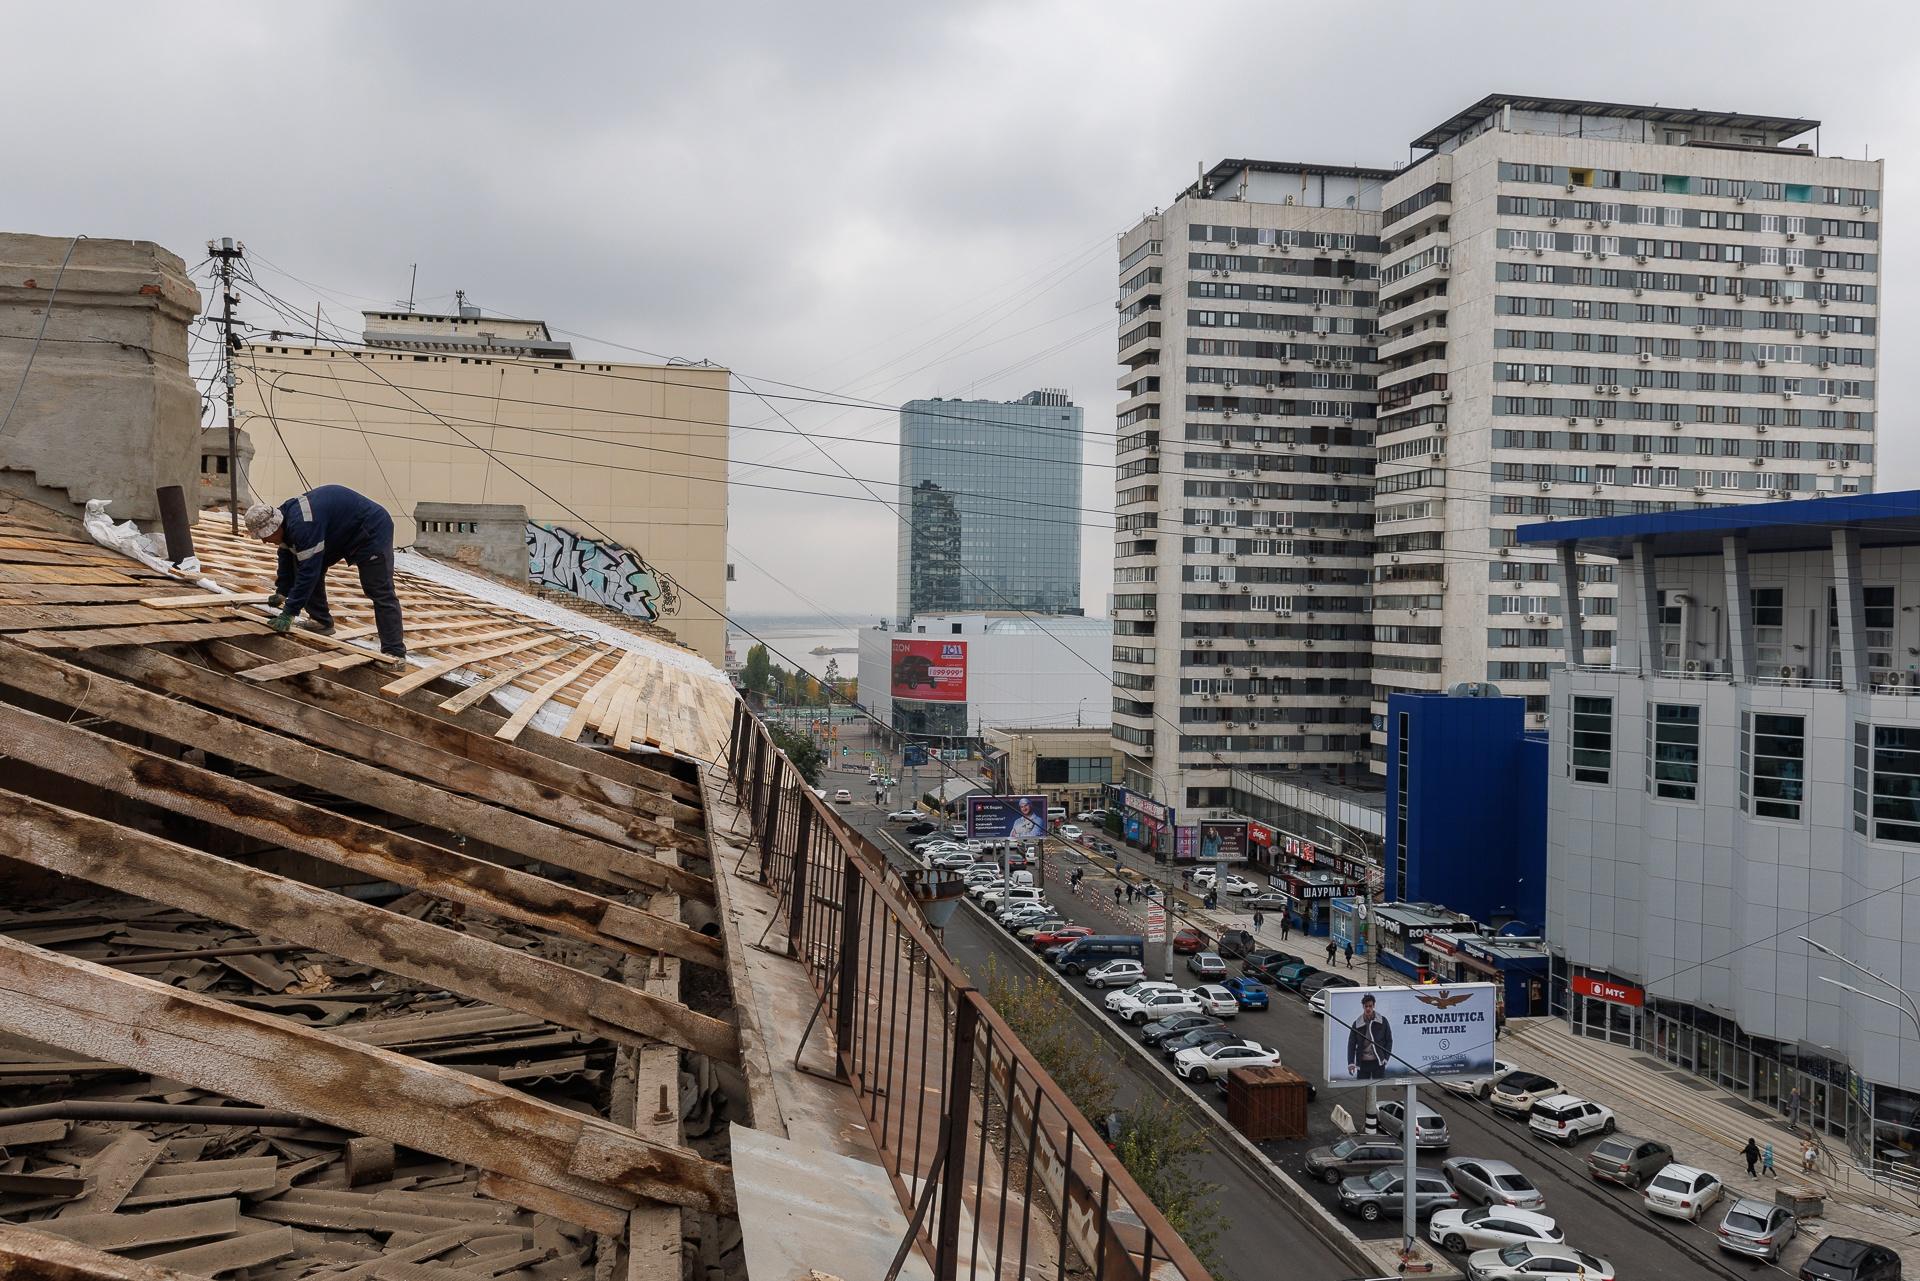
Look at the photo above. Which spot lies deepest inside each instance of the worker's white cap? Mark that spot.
(262, 520)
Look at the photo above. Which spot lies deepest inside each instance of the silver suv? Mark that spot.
(1379, 1193)
(1628, 1161)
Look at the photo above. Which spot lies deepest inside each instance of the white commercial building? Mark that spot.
(1580, 309)
(948, 676)
(1742, 772)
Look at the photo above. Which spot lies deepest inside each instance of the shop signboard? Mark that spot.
(1259, 834)
(1394, 1033)
(1602, 990)
(1186, 840)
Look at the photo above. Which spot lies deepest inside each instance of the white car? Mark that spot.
(1071, 832)
(1234, 883)
(1134, 991)
(1477, 1086)
(1568, 1118)
(1491, 1228)
(956, 860)
(1007, 895)
(1525, 1262)
(1682, 1191)
(842, 796)
(903, 816)
(1213, 1062)
(1115, 972)
(1091, 816)
(1149, 1007)
(1517, 1091)
(1216, 1000)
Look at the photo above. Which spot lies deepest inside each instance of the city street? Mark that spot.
(1599, 1218)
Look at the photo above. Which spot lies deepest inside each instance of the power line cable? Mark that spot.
(45, 317)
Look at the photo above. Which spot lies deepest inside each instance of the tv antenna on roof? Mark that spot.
(412, 281)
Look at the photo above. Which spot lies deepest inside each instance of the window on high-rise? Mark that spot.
(1673, 751)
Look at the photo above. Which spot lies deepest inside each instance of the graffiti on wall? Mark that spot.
(605, 573)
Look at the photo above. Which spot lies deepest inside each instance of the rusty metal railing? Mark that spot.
(999, 1173)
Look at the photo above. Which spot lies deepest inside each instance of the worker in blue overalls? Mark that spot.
(317, 530)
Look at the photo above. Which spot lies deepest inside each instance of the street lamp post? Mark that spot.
(1906, 1005)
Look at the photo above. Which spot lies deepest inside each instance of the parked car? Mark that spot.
(1682, 1192)
(1568, 1118)
(1848, 1259)
(1044, 939)
(1627, 1160)
(1247, 992)
(1071, 832)
(1488, 1182)
(1200, 1038)
(956, 860)
(1136, 990)
(1379, 1194)
(1235, 944)
(1207, 965)
(1095, 949)
(1215, 1061)
(1239, 886)
(1091, 816)
(1477, 1086)
(1045, 925)
(1756, 1229)
(1148, 1006)
(921, 828)
(1105, 847)
(999, 898)
(1319, 999)
(904, 816)
(1292, 976)
(1325, 979)
(1268, 901)
(1524, 1262)
(1111, 973)
(841, 796)
(1491, 1228)
(1188, 941)
(1175, 1025)
(1429, 1127)
(1262, 965)
(1516, 1092)
(1216, 1000)
(1354, 1155)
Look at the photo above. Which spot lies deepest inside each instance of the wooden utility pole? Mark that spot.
(226, 251)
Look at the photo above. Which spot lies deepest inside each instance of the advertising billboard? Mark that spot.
(1223, 841)
(932, 671)
(1393, 1033)
(999, 818)
(1186, 841)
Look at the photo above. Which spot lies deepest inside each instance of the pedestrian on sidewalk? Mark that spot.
(1332, 949)
(1809, 1157)
(1793, 1106)
(1752, 1153)
(1116, 896)
(1286, 924)
(1766, 1160)
(1258, 921)
(1349, 953)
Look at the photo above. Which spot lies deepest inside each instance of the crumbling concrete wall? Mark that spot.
(108, 409)
(488, 536)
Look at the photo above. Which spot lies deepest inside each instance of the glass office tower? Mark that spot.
(992, 494)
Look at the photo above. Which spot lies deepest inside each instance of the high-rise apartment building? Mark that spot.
(1570, 309)
(992, 494)
(1243, 498)
(1589, 309)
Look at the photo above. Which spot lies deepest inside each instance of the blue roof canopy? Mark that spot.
(1883, 520)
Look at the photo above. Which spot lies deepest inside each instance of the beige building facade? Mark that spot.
(1068, 765)
(480, 409)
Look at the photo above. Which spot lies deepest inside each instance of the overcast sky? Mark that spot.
(887, 200)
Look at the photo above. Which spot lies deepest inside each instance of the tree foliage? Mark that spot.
(801, 750)
(757, 676)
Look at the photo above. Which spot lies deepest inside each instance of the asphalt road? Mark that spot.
(1599, 1218)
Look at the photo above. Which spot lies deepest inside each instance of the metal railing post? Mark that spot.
(953, 1171)
(797, 897)
(770, 819)
(848, 967)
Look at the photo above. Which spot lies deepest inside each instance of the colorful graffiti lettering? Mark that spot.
(605, 573)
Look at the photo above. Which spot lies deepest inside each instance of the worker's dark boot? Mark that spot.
(318, 629)
(392, 662)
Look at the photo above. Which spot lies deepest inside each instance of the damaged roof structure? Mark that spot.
(310, 968)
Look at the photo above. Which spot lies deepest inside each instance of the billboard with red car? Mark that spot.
(932, 671)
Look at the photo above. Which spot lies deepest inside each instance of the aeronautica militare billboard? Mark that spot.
(932, 671)
(1393, 1033)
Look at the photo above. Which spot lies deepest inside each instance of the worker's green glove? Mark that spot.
(282, 623)
(276, 600)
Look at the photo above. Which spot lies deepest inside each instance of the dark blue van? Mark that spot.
(1097, 949)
